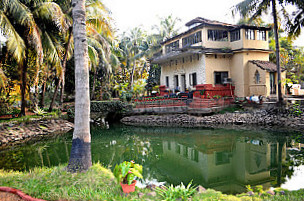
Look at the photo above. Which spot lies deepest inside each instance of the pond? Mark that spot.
(223, 159)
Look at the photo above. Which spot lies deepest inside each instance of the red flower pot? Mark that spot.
(126, 188)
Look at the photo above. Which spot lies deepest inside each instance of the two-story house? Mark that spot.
(212, 52)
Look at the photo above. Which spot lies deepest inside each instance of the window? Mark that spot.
(261, 35)
(192, 79)
(192, 39)
(257, 77)
(169, 145)
(194, 155)
(176, 81)
(167, 81)
(178, 149)
(185, 151)
(217, 35)
(235, 35)
(219, 77)
(221, 158)
(249, 33)
(172, 46)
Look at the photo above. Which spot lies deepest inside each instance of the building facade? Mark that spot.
(212, 52)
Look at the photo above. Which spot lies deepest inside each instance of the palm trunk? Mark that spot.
(23, 86)
(43, 91)
(276, 36)
(67, 49)
(42, 95)
(93, 87)
(80, 158)
(54, 96)
(132, 76)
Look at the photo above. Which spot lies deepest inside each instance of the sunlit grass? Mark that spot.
(98, 183)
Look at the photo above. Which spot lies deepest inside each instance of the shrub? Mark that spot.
(179, 192)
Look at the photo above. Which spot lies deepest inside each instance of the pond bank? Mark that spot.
(261, 118)
(13, 133)
(98, 183)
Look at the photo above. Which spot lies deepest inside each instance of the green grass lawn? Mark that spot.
(98, 183)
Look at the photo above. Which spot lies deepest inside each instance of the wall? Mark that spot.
(257, 88)
(240, 70)
(238, 44)
(283, 77)
(214, 44)
(264, 56)
(237, 73)
(259, 44)
(221, 63)
(187, 67)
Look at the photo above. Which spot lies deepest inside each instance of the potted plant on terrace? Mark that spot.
(125, 174)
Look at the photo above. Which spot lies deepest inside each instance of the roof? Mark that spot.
(187, 51)
(266, 65)
(208, 22)
(201, 22)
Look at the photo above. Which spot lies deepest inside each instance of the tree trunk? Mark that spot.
(280, 158)
(93, 86)
(80, 158)
(132, 76)
(54, 96)
(43, 92)
(23, 86)
(276, 36)
(65, 58)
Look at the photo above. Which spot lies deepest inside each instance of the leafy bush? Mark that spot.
(126, 171)
(295, 109)
(105, 107)
(179, 192)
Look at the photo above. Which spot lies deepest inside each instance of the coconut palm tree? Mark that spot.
(168, 27)
(24, 23)
(298, 22)
(254, 9)
(98, 25)
(80, 158)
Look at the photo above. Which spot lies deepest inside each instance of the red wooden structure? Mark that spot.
(210, 91)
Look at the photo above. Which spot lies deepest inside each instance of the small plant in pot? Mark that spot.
(125, 174)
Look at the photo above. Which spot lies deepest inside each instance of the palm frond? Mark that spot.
(53, 55)
(295, 26)
(2, 78)
(93, 56)
(52, 12)
(15, 44)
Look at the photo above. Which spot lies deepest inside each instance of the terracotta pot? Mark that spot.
(128, 188)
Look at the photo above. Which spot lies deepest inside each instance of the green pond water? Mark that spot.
(222, 159)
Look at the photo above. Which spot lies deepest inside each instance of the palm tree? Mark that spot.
(167, 28)
(97, 21)
(24, 23)
(255, 8)
(298, 21)
(80, 158)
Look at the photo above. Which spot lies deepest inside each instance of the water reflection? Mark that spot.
(225, 160)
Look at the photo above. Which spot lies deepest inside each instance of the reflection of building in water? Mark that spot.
(223, 162)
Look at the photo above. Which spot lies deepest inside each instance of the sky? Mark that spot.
(128, 14)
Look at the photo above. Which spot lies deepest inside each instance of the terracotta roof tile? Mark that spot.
(266, 65)
(208, 22)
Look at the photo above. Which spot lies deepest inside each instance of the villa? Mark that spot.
(213, 54)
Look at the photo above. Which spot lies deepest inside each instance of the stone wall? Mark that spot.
(262, 118)
(17, 133)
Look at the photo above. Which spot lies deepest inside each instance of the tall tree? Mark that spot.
(80, 158)
(297, 23)
(24, 23)
(254, 9)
